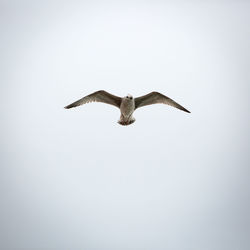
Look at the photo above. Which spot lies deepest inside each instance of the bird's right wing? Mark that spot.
(98, 96)
(155, 97)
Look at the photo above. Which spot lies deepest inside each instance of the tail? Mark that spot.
(126, 122)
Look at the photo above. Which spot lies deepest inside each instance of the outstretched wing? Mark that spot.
(98, 96)
(155, 97)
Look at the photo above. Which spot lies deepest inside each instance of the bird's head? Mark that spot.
(128, 96)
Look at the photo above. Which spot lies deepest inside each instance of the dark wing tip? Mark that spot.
(183, 109)
(186, 110)
(69, 106)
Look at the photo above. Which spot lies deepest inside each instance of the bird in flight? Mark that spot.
(127, 104)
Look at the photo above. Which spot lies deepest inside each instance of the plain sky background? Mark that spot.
(75, 179)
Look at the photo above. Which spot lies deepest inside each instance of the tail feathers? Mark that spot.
(124, 122)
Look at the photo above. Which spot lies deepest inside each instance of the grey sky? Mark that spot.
(75, 179)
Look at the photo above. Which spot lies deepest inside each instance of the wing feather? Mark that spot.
(155, 97)
(98, 96)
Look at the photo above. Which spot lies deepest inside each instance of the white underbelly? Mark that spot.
(127, 108)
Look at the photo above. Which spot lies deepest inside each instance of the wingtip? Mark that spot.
(185, 110)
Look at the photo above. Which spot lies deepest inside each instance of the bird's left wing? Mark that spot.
(98, 96)
(155, 97)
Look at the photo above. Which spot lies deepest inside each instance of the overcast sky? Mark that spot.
(76, 179)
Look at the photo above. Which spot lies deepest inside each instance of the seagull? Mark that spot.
(127, 104)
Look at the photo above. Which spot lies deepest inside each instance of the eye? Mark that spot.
(130, 97)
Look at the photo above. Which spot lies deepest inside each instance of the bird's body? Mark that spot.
(127, 109)
(127, 104)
